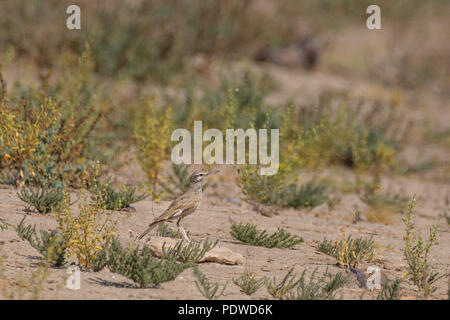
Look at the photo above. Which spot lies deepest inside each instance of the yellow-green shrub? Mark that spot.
(152, 138)
(87, 233)
(42, 141)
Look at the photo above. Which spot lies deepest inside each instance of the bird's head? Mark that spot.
(198, 176)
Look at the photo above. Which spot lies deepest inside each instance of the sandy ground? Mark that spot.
(223, 205)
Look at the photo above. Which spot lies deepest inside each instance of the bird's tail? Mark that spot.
(150, 227)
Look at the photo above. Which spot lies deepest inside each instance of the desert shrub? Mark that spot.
(248, 283)
(110, 199)
(310, 194)
(281, 290)
(20, 136)
(140, 266)
(87, 233)
(416, 253)
(100, 261)
(49, 243)
(349, 252)
(248, 233)
(390, 290)
(206, 288)
(43, 140)
(260, 189)
(189, 254)
(152, 135)
(44, 199)
(361, 135)
(322, 288)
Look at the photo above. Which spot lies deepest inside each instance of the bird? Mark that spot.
(184, 205)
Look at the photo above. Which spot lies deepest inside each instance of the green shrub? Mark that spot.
(416, 254)
(101, 259)
(248, 233)
(49, 243)
(111, 199)
(310, 194)
(44, 199)
(138, 265)
(206, 288)
(260, 189)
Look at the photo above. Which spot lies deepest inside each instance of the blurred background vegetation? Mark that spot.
(138, 68)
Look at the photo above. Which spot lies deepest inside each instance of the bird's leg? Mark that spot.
(183, 232)
(185, 236)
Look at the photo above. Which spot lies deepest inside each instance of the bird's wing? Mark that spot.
(178, 206)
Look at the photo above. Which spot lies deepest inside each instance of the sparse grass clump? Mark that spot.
(349, 252)
(248, 283)
(281, 290)
(140, 266)
(110, 199)
(322, 288)
(416, 253)
(43, 199)
(390, 291)
(206, 288)
(49, 243)
(189, 254)
(248, 233)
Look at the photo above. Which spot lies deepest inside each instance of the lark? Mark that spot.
(184, 205)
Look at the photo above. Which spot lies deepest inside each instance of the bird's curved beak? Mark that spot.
(212, 172)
